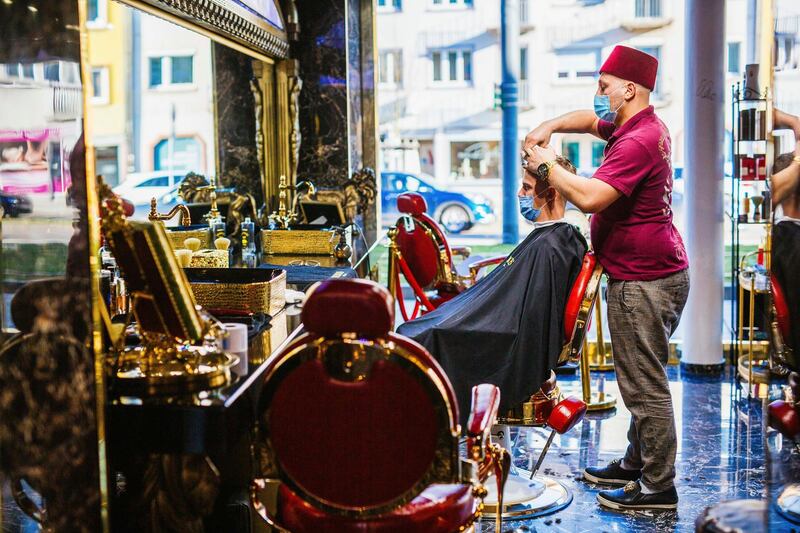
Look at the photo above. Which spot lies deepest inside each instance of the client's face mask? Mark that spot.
(602, 106)
(526, 207)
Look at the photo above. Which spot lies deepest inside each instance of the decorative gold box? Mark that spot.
(210, 259)
(178, 235)
(298, 241)
(247, 290)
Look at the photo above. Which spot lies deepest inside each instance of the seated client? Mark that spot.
(508, 329)
(786, 236)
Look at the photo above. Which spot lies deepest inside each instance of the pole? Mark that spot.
(704, 94)
(509, 46)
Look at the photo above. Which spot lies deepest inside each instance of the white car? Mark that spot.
(140, 188)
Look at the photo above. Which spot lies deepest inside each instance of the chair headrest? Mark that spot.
(411, 203)
(348, 306)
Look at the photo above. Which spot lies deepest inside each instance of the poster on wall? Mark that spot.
(30, 161)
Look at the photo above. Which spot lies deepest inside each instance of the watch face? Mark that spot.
(543, 170)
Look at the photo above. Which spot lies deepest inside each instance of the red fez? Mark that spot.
(633, 65)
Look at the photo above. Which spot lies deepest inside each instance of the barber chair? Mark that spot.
(358, 427)
(419, 249)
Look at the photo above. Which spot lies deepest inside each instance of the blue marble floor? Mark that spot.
(721, 456)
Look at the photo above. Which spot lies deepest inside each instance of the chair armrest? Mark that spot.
(477, 266)
(461, 251)
(485, 403)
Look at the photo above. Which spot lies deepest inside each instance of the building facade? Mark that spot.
(439, 82)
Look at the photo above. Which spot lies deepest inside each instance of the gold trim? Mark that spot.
(185, 23)
(93, 216)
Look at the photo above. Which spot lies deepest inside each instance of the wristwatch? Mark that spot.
(544, 169)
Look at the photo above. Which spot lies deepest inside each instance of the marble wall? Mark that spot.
(236, 122)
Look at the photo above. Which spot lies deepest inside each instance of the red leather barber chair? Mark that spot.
(359, 427)
(419, 250)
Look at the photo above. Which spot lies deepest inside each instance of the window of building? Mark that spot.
(390, 5)
(734, 58)
(450, 3)
(184, 154)
(97, 13)
(107, 163)
(523, 63)
(598, 148)
(648, 8)
(390, 68)
(475, 160)
(654, 51)
(171, 70)
(100, 85)
(578, 64)
(452, 66)
(786, 56)
(572, 151)
(52, 71)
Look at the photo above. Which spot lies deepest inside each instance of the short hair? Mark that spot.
(782, 162)
(566, 163)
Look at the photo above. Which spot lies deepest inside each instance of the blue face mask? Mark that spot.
(526, 208)
(602, 106)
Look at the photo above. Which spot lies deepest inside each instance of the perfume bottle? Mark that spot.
(218, 228)
(248, 243)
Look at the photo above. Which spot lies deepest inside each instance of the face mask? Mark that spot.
(526, 208)
(602, 106)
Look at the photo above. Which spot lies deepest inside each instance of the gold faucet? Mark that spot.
(213, 213)
(284, 217)
(186, 219)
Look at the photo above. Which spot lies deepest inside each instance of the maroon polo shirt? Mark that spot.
(634, 238)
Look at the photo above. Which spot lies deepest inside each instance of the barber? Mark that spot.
(645, 260)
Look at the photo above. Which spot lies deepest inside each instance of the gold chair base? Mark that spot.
(532, 413)
(546, 496)
(141, 372)
(760, 373)
(601, 401)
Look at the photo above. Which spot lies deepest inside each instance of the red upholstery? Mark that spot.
(781, 308)
(411, 203)
(348, 306)
(420, 252)
(127, 207)
(353, 444)
(566, 414)
(437, 509)
(784, 418)
(576, 295)
(485, 402)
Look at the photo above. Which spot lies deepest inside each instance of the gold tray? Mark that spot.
(298, 242)
(196, 369)
(303, 260)
(177, 236)
(247, 290)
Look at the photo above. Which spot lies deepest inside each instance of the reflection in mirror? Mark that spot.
(152, 105)
(49, 470)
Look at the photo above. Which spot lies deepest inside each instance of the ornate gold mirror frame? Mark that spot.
(234, 23)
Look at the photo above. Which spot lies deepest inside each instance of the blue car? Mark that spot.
(455, 212)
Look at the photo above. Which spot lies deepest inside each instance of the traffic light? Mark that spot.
(498, 97)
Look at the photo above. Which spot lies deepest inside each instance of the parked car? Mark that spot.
(15, 204)
(140, 188)
(454, 211)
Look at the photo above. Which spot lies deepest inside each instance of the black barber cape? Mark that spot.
(786, 269)
(508, 329)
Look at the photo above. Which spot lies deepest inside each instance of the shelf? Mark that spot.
(744, 282)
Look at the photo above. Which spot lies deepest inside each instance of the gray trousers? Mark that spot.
(642, 316)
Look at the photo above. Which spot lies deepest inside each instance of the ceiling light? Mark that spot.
(33, 9)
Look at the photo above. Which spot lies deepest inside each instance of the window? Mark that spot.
(186, 154)
(390, 5)
(786, 57)
(106, 162)
(97, 14)
(523, 64)
(648, 8)
(578, 64)
(390, 68)
(100, 86)
(734, 63)
(451, 3)
(161, 181)
(415, 185)
(598, 148)
(654, 51)
(52, 72)
(452, 66)
(171, 70)
(572, 151)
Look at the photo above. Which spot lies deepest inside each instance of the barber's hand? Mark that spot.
(536, 155)
(540, 136)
